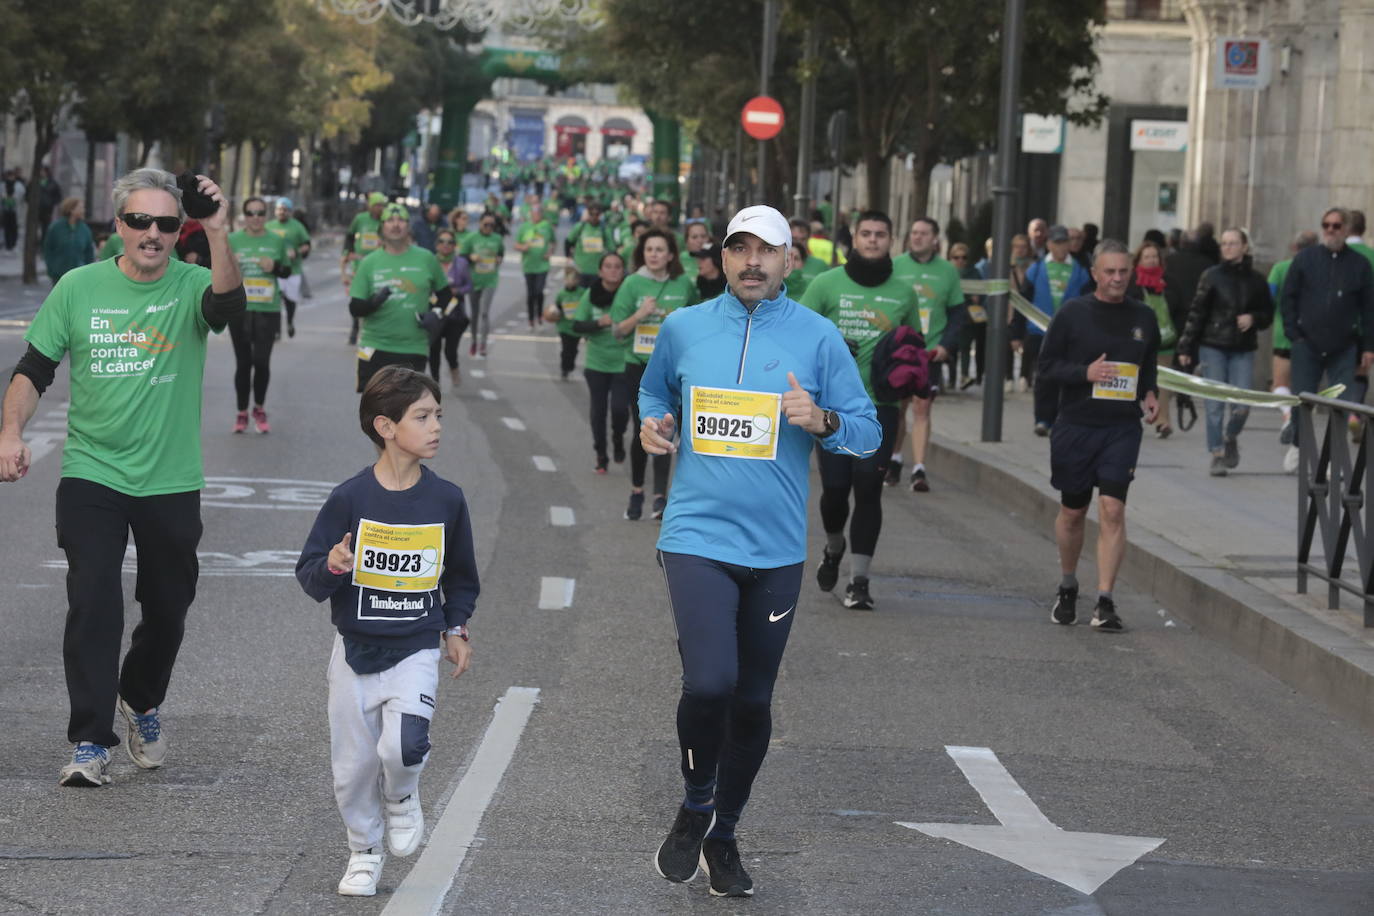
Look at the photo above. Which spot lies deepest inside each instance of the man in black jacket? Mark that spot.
(1185, 266)
(1327, 298)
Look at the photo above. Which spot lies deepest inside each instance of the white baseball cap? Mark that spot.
(763, 221)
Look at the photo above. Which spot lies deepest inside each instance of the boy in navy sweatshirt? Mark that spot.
(392, 551)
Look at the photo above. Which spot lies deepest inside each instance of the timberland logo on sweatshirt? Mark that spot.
(380, 603)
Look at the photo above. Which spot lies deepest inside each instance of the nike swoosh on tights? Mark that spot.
(774, 618)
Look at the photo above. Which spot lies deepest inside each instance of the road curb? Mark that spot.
(1311, 656)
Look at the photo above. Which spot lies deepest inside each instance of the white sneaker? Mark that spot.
(89, 767)
(144, 739)
(405, 825)
(1290, 460)
(360, 878)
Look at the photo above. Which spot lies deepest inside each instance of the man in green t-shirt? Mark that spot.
(363, 237)
(940, 298)
(263, 261)
(484, 251)
(297, 239)
(587, 242)
(865, 299)
(392, 291)
(534, 241)
(135, 327)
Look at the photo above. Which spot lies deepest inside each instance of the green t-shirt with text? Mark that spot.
(413, 276)
(672, 294)
(863, 313)
(259, 285)
(604, 352)
(567, 300)
(539, 236)
(137, 366)
(367, 233)
(938, 289)
(589, 243)
(484, 253)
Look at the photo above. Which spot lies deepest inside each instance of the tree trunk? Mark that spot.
(875, 179)
(90, 175)
(44, 132)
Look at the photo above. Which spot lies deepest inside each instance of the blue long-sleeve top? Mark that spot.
(751, 511)
(428, 527)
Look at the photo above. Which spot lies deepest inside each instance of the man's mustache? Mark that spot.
(752, 275)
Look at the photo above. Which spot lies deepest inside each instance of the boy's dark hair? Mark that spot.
(389, 394)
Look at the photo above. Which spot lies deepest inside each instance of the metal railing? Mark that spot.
(1334, 477)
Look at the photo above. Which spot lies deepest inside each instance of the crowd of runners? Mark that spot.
(716, 359)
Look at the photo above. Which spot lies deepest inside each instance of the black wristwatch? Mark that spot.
(832, 424)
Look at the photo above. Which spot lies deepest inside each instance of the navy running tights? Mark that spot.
(841, 475)
(732, 626)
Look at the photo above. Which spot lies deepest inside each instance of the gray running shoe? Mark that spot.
(146, 743)
(89, 767)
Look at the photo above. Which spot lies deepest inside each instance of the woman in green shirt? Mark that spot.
(657, 287)
(604, 367)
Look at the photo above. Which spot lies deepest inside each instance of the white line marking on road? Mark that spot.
(488, 394)
(513, 423)
(543, 462)
(428, 883)
(562, 516)
(1025, 837)
(555, 593)
(477, 373)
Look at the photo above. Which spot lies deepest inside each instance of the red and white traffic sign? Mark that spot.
(762, 117)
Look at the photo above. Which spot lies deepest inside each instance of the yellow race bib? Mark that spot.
(592, 244)
(367, 241)
(646, 335)
(259, 289)
(735, 424)
(397, 558)
(486, 263)
(925, 320)
(1121, 388)
(977, 314)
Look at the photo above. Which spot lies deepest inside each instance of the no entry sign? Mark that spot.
(762, 117)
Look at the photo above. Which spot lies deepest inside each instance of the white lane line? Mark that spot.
(561, 516)
(543, 462)
(488, 394)
(424, 889)
(555, 593)
(513, 423)
(477, 373)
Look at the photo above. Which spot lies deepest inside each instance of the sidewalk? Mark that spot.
(1219, 553)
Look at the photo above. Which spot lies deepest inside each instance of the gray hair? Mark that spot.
(1304, 239)
(146, 180)
(1110, 246)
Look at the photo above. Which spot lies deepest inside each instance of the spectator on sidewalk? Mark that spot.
(1327, 296)
(1231, 306)
(1080, 252)
(1037, 230)
(11, 196)
(1149, 286)
(68, 242)
(1050, 281)
(1184, 266)
(1282, 366)
(48, 196)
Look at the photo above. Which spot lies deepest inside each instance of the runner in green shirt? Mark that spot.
(135, 328)
(940, 301)
(604, 366)
(363, 237)
(391, 292)
(656, 288)
(297, 239)
(1283, 349)
(865, 299)
(561, 313)
(263, 259)
(484, 251)
(812, 266)
(696, 236)
(534, 241)
(796, 281)
(588, 241)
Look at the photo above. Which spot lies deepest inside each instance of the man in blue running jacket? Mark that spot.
(756, 379)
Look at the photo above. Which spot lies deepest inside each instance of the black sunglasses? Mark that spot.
(141, 221)
(446, 241)
(254, 212)
(1332, 225)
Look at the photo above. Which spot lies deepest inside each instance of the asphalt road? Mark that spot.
(1262, 800)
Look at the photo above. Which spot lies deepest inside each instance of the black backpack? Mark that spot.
(901, 365)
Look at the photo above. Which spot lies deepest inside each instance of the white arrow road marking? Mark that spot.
(1025, 837)
(555, 593)
(428, 883)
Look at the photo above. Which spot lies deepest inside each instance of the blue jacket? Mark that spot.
(1038, 279)
(751, 512)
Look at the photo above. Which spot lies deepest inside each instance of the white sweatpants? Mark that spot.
(378, 738)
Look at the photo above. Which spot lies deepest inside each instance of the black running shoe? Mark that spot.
(828, 573)
(918, 481)
(1286, 432)
(677, 858)
(856, 595)
(1065, 610)
(659, 504)
(894, 473)
(636, 507)
(1105, 619)
(1232, 453)
(618, 451)
(721, 860)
